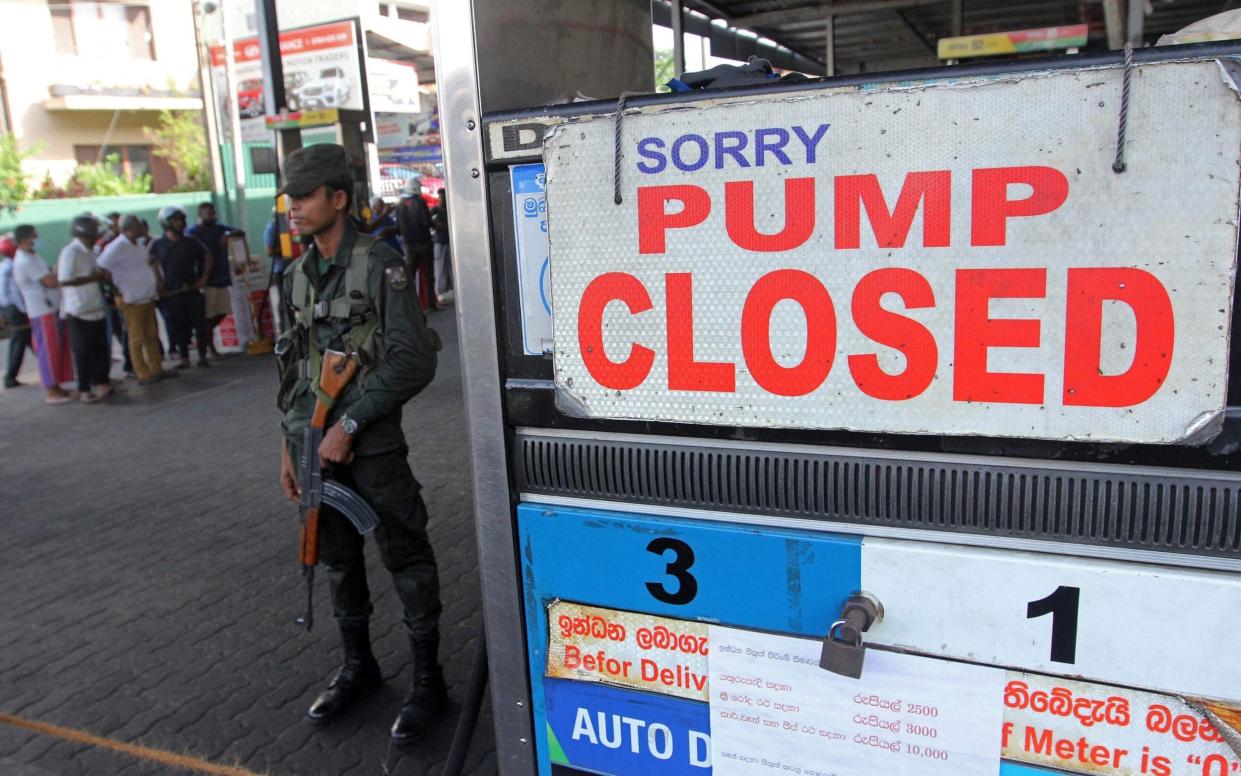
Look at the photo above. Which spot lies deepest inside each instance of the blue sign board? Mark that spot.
(605, 729)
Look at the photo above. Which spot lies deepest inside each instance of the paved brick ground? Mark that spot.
(149, 582)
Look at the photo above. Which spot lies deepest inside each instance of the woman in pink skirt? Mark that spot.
(38, 286)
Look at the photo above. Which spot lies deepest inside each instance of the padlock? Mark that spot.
(843, 650)
(840, 656)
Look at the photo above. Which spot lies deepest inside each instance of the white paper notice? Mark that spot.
(773, 710)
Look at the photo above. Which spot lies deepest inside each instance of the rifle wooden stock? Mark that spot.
(337, 371)
(308, 547)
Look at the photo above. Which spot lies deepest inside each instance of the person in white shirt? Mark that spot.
(38, 288)
(134, 279)
(83, 306)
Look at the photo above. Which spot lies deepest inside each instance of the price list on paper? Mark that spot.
(774, 710)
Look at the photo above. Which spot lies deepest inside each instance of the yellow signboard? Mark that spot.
(305, 118)
(1019, 42)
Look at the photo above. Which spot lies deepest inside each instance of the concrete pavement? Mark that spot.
(149, 582)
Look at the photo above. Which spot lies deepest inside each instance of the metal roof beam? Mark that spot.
(731, 43)
(918, 34)
(712, 10)
(821, 11)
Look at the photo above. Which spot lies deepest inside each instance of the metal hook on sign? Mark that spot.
(617, 123)
(843, 649)
(1118, 166)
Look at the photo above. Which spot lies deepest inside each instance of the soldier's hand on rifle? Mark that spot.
(288, 476)
(336, 447)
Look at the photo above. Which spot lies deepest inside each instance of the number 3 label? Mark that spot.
(678, 568)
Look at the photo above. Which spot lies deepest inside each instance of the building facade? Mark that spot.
(85, 79)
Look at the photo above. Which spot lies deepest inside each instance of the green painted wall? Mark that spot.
(259, 203)
(52, 216)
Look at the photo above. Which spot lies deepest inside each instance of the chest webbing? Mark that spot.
(354, 308)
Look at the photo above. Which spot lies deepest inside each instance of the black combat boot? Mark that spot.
(356, 679)
(427, 696)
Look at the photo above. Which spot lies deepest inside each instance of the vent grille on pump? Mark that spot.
(1128, 507)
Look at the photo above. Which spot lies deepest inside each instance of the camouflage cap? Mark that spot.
(306, 169)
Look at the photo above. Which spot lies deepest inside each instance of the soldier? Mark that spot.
(352, 292)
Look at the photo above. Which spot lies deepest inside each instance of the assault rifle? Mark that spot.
(337, 371)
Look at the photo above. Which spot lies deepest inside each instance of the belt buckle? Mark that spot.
(321, 309)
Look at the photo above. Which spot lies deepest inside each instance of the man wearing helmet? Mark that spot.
(83, 307)
(185, 266)
(414, 219)
(351, 292)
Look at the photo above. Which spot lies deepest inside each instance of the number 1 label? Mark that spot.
(1103, 620)
(1062, 605)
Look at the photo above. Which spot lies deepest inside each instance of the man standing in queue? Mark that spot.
(413, 218)
(184, 269)
(215, 236)
(351, 292)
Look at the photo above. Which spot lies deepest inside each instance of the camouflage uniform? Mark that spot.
(361, 301)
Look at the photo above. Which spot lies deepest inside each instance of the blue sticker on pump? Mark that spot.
(775, 579)
(611, 730)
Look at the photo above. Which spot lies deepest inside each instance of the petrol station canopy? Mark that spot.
(874, 35)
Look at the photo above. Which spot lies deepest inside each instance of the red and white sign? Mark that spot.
(248, 299)
(1101, 730)
(627, 649)
(336, 35)
(322, 70)
(943, 258)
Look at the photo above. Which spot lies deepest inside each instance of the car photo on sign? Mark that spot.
(293, 79)
(250, 98)
(329, 90)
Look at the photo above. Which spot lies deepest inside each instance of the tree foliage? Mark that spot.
(103, 179)
(179, 140)
(664, 70)
(14, 182)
